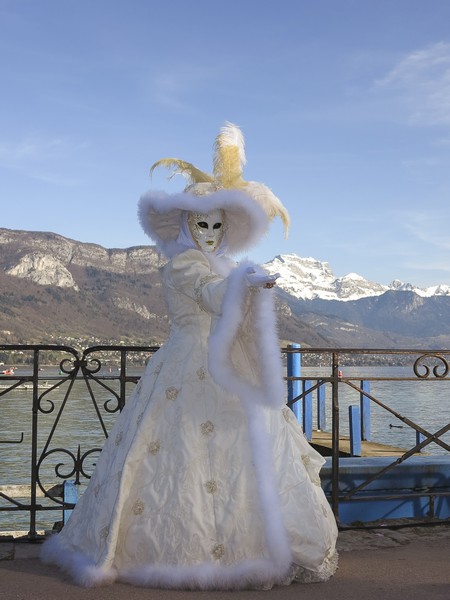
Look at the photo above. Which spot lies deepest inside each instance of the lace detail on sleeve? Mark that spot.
(198, 289)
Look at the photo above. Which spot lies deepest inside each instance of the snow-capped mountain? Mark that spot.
(309, 279)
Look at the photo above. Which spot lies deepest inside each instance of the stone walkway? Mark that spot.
(383, 537)
(411, 563)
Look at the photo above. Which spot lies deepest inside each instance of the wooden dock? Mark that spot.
(321, 441)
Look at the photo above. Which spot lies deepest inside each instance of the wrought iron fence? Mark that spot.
(355, 370)
(60, 443)
(54, 420)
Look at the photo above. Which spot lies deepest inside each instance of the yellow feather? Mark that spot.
(229, 157)
(227, 167)
(284, 215)
(181, 167)
(276, 209)
(272, 205)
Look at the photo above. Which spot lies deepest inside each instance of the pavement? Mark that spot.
(411, 563)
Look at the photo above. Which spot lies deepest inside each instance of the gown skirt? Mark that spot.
(201, 484)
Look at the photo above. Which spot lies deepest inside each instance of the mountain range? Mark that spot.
(57, 290)
(311, 279)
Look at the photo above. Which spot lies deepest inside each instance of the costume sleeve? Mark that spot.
(191, 273)
(244, 353)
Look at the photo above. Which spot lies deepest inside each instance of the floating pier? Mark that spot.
(322, 442)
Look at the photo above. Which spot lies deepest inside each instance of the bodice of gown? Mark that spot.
(194, 294)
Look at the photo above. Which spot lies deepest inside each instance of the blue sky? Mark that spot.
(344, 104)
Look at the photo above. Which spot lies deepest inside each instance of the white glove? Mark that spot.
(260, 279)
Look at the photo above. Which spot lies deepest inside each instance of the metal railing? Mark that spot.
(53, 421)
(415, 367)
(48, 396)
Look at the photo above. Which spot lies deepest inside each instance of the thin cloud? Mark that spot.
(427, 227)
(425, 162)
(40, 158)
(173, 87)
(31, 149)
(442, 267)
(442, 142)
(422, 82)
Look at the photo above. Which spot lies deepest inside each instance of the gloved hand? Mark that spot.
(260, 279)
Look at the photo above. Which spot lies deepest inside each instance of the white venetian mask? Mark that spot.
(207, 230)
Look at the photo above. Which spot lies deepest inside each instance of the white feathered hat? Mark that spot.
(248, 205)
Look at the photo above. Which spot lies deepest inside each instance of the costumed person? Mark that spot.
(206, 480)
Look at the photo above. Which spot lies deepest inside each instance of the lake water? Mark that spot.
(427, 403)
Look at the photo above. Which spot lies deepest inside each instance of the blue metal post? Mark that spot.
(321, 413)
(365, 411)
(355, 430)
(419, 438)
(294, 368)
(307, 411)
(70, 495)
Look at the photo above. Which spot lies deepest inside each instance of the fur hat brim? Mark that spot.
(160, 217)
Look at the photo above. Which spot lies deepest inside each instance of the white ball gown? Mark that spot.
(206, 480)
